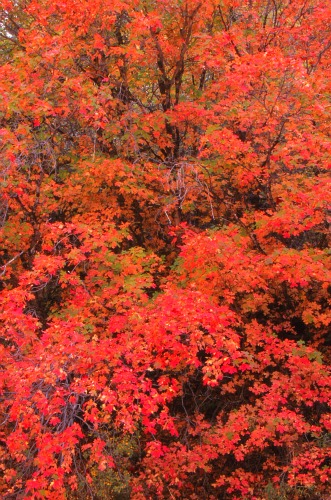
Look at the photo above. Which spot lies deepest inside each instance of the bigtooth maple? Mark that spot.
(165, 249)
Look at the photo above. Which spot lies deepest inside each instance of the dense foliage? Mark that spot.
(164, 249)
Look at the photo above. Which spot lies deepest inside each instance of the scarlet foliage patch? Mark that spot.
(165, 249)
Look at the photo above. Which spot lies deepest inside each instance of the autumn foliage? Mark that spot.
(165, 264)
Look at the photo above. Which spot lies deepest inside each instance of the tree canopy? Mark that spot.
(165, 218)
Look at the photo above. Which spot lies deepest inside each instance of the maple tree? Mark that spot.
(165, 249)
